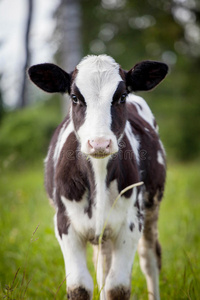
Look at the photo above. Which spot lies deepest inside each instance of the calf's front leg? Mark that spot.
(118, 281)
(79, 281)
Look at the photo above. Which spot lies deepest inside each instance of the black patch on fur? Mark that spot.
(121, 89)
(63, 221)
(75, 90)
(158, 254)
(140, 217)
(118, 111)
(123, 167)
(132, 226)
(74, 173)
(79, 109)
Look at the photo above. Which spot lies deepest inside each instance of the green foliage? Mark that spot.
(25, 134)
(36, 252)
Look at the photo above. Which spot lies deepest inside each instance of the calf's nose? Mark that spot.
(99, 144)
(99, 147)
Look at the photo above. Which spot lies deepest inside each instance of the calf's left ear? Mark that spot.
(50, 78)
(146, 75)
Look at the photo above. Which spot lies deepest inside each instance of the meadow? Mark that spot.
(31, 262)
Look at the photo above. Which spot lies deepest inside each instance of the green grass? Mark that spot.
(179, 227)
(31, 262)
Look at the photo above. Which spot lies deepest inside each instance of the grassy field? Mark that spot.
(31, 263)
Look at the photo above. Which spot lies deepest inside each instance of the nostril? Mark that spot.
(108, 146)
(90, 143)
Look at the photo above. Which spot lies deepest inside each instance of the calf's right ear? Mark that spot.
(50, 78)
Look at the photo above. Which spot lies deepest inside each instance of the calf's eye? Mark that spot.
(74, 99)
(123, 98)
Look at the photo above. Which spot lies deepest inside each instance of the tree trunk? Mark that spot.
(23, 95)
(69, 25)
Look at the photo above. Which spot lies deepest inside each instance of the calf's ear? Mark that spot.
(145, 75)
(50, 78)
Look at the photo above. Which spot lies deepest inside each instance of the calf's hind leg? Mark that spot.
(149, 251)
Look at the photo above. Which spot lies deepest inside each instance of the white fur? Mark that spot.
(97, 80)
(77, 273)
(101, 201)
(145, 112)
(48, 155)
(124, 248)
(162, 148)
(132, 140)
(160, 158)
(88, 228)
(63, 135)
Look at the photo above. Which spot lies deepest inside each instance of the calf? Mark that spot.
(108, 141)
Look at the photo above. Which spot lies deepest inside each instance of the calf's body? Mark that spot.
(108, 141)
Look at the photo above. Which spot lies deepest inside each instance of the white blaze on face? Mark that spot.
(97, 80)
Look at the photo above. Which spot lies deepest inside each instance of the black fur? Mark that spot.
(145, 75)
(50, 78)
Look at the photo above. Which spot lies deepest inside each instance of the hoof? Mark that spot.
(78, 294)
(119, 293)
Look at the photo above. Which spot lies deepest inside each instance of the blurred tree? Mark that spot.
(69, 37)
(2, 111)
(23, 95)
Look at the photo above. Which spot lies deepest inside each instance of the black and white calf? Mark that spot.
(108, 141)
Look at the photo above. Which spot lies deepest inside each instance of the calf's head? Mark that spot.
(98, 88)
